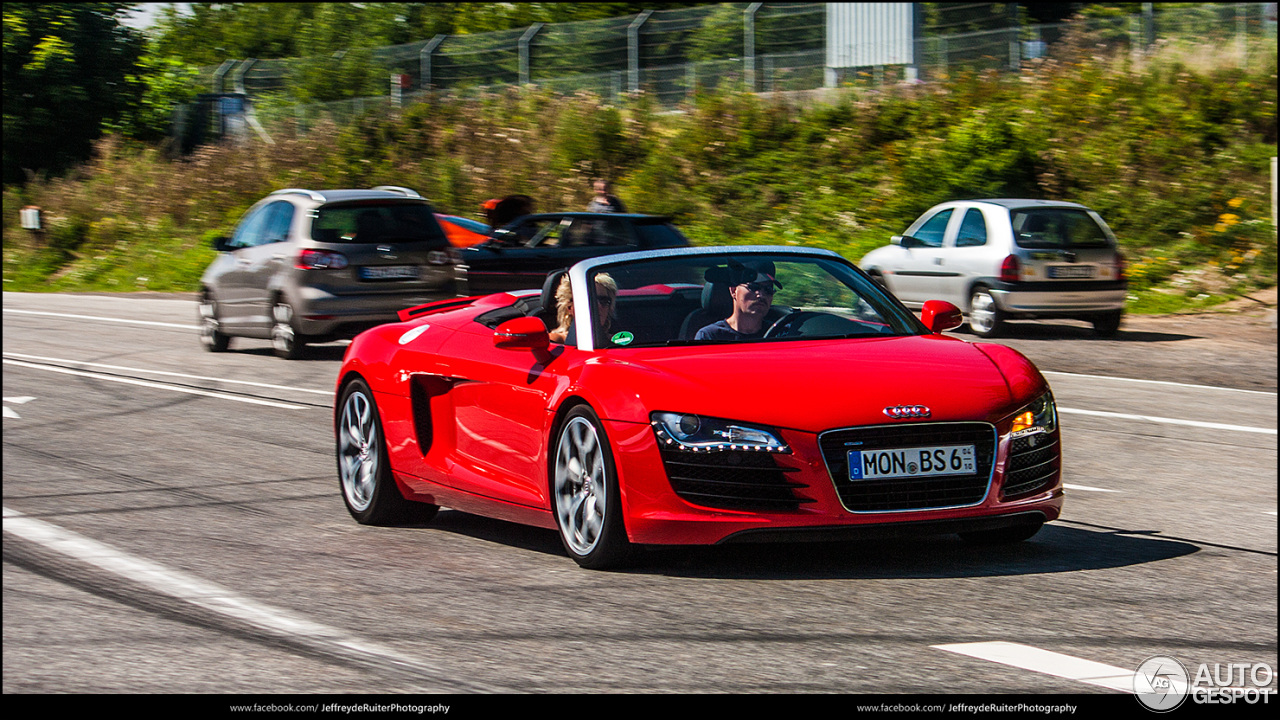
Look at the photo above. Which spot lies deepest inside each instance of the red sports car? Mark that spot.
(702, 395)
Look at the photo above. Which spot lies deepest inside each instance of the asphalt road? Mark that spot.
(173, 525)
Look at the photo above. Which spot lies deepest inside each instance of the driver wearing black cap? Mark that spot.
(751, 285)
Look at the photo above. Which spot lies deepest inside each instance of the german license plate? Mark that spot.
(389, 272)
(1071, 271)
(911, 462)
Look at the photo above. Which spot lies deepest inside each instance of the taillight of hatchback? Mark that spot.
(1009, 269)
(1120, 267)
(320, 260)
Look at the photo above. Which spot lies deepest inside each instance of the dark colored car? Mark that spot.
(519, 255)
(312, 266)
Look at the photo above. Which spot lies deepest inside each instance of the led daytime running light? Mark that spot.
(706, 435)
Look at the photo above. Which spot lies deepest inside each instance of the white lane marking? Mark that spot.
(103, 319)
(1154, 382)
(1086, 488)
(203, 593)
(10, 412)
(1169, 421)
(1049, 663)
(163, 372)
(158, 386)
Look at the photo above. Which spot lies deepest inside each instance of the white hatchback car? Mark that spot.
(1008, 259)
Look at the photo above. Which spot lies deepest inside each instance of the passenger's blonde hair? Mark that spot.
(564, 297)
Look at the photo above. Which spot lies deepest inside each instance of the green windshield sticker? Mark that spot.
(623, 338)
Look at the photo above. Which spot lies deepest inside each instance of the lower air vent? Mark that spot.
(1033, 465)
(732, 480)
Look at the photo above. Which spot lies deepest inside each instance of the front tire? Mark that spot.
(364, 471)
(584, 491)
(210, 327)
(986, 319)
(287, 342)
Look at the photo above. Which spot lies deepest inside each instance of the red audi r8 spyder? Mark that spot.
(702, 395)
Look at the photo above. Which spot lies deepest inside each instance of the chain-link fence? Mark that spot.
(672, 54)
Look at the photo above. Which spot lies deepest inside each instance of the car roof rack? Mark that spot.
(397, 189)
(299, 191)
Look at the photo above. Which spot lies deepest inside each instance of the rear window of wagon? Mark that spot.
(377, 221)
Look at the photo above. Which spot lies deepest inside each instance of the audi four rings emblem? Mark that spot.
(898, 412)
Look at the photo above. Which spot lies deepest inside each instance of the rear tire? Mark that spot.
(1002, 536)
(364, 471)
(1107, 324)
(986, 319)
(287, 342)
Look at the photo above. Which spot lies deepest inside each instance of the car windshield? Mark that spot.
(377, 221)
(691, 300)
(1057, 228)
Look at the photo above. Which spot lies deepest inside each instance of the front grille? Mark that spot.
(1033, 465)
(892, 494)
(732, 480)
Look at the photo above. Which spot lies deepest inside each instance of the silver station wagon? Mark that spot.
(313, 266)
(1008, 259)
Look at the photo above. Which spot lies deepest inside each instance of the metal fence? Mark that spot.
(671, 54)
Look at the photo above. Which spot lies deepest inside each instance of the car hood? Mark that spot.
(818, 385)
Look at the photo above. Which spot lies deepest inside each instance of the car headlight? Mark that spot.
(1041, 415)
(698, 433)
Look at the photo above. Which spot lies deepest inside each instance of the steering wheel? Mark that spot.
(788, 323)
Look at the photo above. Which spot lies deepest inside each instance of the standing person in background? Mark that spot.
(604, 201)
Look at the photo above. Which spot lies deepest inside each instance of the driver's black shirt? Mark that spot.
(722, 331)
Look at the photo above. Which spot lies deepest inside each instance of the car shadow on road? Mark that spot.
(1041, 330)
(328, 351)
(1056, 548)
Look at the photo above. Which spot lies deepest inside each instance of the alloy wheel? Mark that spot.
(581, 485)
(984, 315)
(358, 451)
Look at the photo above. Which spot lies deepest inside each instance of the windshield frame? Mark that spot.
(584, 312)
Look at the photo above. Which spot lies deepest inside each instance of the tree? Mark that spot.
(65, 69)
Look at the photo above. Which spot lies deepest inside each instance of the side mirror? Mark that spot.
(940, 315)
(501, 238)
(907, 241)
(525, 332)
(222, 244)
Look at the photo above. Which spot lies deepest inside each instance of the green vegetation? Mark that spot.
(1174, 152)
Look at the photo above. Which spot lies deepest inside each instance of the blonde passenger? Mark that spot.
(606, 292)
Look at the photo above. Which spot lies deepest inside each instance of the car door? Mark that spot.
(508, 261)
(234, 287)
(499, 404)
(913, 272)
(266, 259)
(964, 255)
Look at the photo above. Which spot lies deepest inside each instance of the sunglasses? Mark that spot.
(763, 288)
(604, 299)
